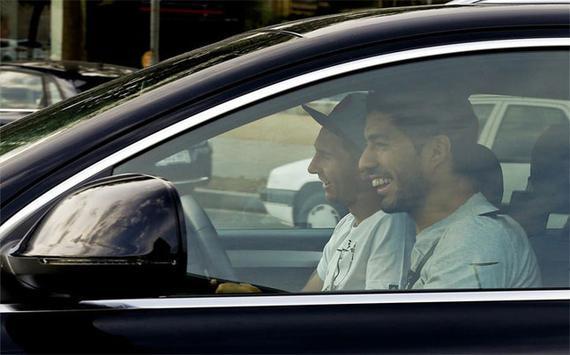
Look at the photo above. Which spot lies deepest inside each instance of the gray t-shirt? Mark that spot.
(475, 247)
(373, 255)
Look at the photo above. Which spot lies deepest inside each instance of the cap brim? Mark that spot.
(323, 120)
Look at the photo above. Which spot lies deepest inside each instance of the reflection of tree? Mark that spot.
(60, 117)
(38, 8)
(109, 221)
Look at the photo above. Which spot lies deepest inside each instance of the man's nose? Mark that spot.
(366, 161)
(312, 168)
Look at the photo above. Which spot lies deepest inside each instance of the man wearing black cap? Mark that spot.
(417, 143)
(369, 249)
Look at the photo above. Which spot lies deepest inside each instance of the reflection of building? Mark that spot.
(305, 7)
(20, 20)
(118, 31)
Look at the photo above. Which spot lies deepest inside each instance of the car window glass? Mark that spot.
(20, 90)
(54, 94)
(250, 177)
(520, 128)
(253, 171)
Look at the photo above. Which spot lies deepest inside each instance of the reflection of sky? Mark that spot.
(18, 90)
(107, 221)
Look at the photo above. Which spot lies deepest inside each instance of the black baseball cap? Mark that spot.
(347, 119)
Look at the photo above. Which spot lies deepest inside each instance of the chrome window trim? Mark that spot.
(507, 2)
(210, 302)
(260, 95)
(335, 299)
(19, 109)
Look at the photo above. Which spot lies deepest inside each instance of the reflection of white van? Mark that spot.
(508, 125)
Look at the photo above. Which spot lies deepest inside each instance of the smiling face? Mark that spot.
(337, 168)
(393, 166)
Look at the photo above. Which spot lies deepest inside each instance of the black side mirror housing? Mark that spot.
(118, 236)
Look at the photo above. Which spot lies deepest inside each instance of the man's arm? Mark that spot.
(232, 287)
(315, 284)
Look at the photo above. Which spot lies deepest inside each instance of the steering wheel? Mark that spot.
(206, 255)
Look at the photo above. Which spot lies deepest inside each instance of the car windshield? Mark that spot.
(58, 118)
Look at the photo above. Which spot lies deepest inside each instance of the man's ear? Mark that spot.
(437, 152)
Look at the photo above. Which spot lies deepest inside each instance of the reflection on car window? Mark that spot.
(20, 90)
(521, 127)
(31, 129)
(236, 167)
(451, 184)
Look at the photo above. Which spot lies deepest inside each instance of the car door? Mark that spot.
(280, 258)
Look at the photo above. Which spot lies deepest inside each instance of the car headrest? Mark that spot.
(484, 169)
(550, 167)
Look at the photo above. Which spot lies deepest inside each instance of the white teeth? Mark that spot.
(380, 181)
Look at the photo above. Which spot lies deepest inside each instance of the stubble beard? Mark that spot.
(408, 198)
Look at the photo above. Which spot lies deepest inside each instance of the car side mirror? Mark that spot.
(118, 236)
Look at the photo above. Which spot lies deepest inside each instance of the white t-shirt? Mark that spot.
(373, 255)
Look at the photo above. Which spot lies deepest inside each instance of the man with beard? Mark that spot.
(368, 249)
(416, 145)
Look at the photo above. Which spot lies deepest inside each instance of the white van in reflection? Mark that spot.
(508, 125)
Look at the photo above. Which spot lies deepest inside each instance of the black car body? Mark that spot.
(116, 129)
(49, 82)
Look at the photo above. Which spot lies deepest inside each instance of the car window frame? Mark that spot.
(50, 79)
(263, 93)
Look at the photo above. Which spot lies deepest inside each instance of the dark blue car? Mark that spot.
(109, 246)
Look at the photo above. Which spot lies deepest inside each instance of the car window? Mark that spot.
(20, 90)
(520, 128)
(397, 148)
(251, 176)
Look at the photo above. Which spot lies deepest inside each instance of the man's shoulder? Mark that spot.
(491, 232)
(346, 221)
(382, 222)
(401, 223)
(400, 217)
(342, 228)
(383, 217)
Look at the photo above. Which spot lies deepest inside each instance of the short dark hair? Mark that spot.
(423, 114)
